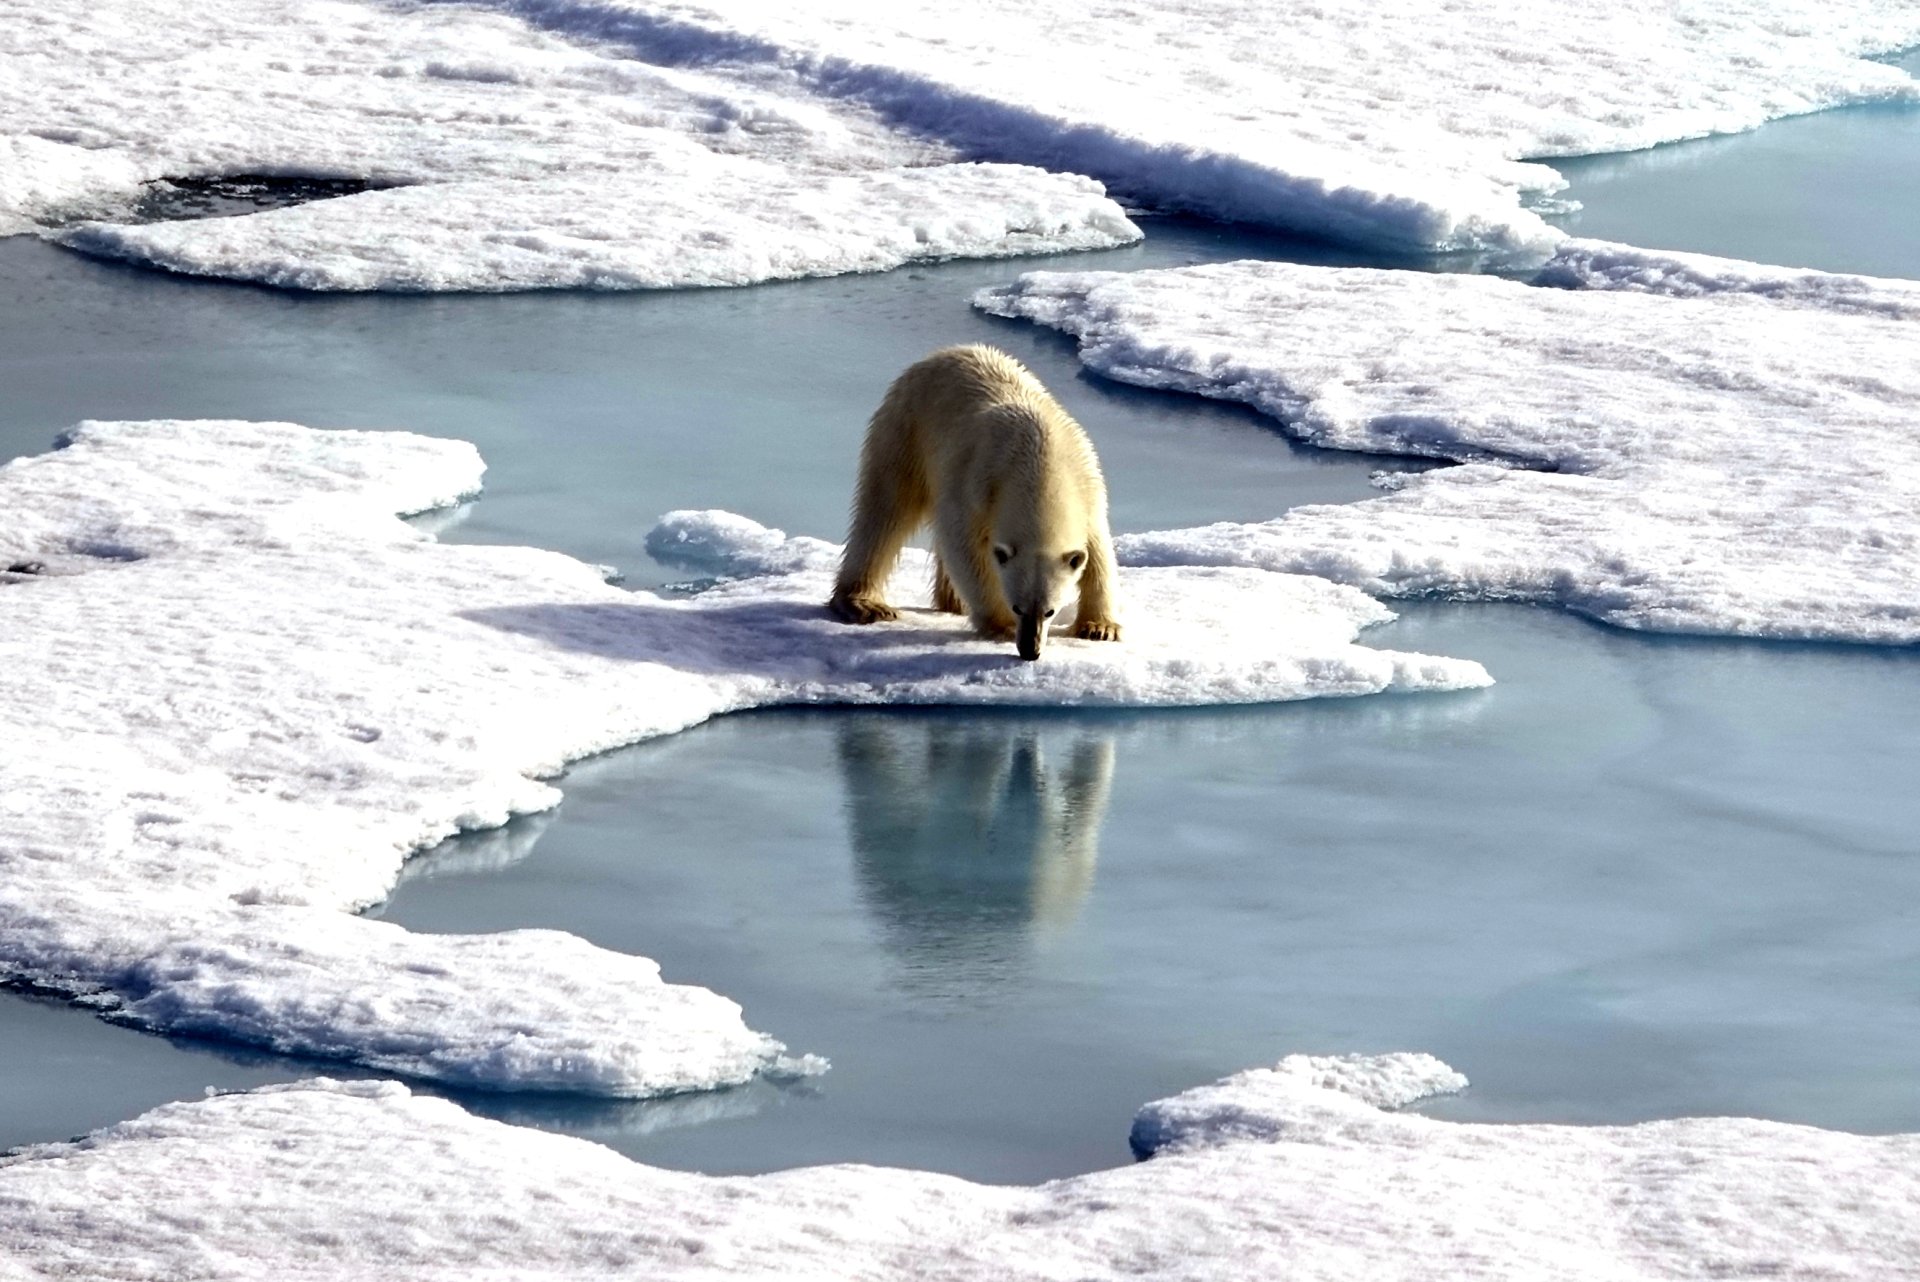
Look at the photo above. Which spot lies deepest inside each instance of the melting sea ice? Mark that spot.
(1639, 878)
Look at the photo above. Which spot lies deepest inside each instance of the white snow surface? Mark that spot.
(240, 693)
(1263, 1103)
(1405, 125)
(1401, 125)
(691, 218)
(322, 1180)
(531, 161)
(1666, 442)
(1194, 635)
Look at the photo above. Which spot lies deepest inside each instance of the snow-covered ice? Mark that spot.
(1660, 441)
(1403, 125)
(240, 693)
(690, 218)
(529, 161)
(101, 97)
(1194, 635)
(1293, 1172)
(1262, 1103)
(551, 141)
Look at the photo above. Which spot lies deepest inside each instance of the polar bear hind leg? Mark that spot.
(945, 598)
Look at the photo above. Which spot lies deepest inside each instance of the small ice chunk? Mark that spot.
(1267, 1103)
(723, 545)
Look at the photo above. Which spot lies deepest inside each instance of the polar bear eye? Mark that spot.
(1076, 559)
(1002, 553)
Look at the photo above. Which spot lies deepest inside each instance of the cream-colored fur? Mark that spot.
(969, 439)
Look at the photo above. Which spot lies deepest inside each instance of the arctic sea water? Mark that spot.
(1835, 191)
(1641, 877)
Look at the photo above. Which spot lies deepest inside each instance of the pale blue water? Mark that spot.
(1638, 878)
(597, 413)
(1839, 191)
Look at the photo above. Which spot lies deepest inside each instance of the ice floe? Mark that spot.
(1397, 126)
(1291, 1172)
(545, 132)
(692, 218)
(239, 693)
(1661, 441)
(524, 160)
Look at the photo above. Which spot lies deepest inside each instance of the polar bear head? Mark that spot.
(1037, 575)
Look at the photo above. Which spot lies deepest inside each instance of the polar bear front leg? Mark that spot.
(965, 548)
(1094, 620)
(886, 511)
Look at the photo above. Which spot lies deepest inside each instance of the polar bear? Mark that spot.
(969, 438)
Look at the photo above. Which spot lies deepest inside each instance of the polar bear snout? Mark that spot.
(1030, 635)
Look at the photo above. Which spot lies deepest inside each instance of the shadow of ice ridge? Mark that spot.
(476, 853)
(615, 1119)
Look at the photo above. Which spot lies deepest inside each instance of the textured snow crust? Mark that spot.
(553, 140)
(532, 161)
(1401, 125)
(1660, 441)
(328, 1180)
(240, 693)
(1195, 635)
(691, 218)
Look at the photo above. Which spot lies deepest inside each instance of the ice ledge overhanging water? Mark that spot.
(1298, 1170)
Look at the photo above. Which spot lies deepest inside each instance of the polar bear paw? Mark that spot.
(853, 608)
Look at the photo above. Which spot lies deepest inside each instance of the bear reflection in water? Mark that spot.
(970, 833)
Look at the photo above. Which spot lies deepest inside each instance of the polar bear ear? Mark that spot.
(1076, 559)
(1002, 553)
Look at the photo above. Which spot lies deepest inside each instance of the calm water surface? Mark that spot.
(598, 412)
(1839, 191)
(1638, 878)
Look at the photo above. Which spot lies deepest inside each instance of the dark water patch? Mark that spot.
(229, 195)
